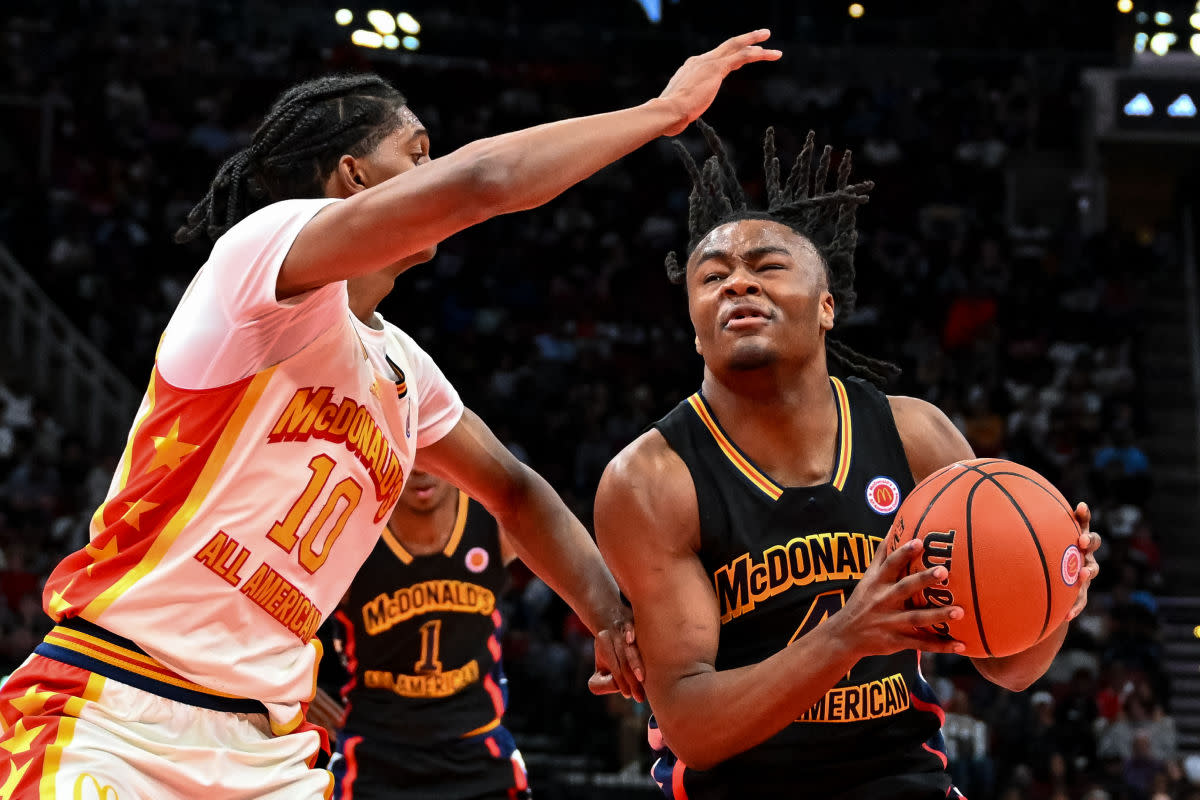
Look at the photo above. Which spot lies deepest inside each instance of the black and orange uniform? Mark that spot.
(419, 636)
(782, 560)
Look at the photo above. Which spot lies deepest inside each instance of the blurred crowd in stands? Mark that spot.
(559, 327)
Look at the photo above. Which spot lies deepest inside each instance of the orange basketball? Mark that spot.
(1009, 541)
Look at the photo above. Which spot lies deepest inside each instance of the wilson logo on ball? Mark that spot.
(939, 552)
(883, 495)
(1072, 563)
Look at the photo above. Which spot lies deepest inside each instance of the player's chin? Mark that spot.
(750, 354)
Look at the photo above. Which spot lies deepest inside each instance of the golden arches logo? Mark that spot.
(102, 792)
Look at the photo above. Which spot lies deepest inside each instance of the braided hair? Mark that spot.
(296, 147)
(825, 217)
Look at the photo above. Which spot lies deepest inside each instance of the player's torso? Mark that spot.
(421, 636)
(239, 515)
(782, 560)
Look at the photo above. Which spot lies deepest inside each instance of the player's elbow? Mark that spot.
(692, 744)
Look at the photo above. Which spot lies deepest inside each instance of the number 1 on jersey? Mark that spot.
(431, 635)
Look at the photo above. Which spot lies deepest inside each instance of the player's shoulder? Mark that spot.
(930, 438)
(647, 478)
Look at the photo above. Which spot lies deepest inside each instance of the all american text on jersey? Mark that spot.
(313, 413)
(744, 583)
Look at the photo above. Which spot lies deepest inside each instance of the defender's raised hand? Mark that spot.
(695, 84)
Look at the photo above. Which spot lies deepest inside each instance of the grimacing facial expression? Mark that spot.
(758, 294)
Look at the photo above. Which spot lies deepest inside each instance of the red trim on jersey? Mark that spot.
(941, 757)
(351, 768)
(678, 792)
(349, 648)
(492, 747)
(924, 705)
(497, 696)
(519, 775)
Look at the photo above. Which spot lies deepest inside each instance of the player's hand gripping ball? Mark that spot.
(1008, 540)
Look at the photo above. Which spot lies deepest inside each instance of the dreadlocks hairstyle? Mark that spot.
(295, 148)
(826, 217)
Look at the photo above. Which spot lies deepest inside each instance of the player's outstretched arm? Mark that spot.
(379, 226)
(931, 442)
(548, 538)
(647, 526)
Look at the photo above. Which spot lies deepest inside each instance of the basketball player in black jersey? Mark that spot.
(418, 633)
(745, 527)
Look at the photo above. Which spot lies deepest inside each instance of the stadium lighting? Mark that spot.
(1194, 41)
(1160, 43)
(1139, 106)
(1182, 107)
(391, 42)
(366, 39)
(1162, 18)
(343, 16)
(410, 42)
(856, 10)
(1124, 6)
(408, 23)
(382, 21)
(1140, 41)
(1194, 19)
(1142, 17)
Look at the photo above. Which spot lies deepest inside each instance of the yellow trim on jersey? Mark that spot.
(395, 546)
(91, 693)
(482, 729)
(127, 456)
(289, 726)
(845, 439)
(320, 648)
(174, 526)
(460, 523)
(768, 486)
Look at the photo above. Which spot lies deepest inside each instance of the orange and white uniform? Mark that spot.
(266, 457)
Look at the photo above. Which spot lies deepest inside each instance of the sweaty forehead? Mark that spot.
(408, 119)
(741, 236)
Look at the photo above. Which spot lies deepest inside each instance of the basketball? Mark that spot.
(1009, 541)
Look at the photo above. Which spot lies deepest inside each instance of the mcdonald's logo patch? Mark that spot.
(883, 495)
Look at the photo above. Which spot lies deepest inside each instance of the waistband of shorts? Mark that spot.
(86, 645)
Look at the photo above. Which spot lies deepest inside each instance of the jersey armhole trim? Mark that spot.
(460, 524)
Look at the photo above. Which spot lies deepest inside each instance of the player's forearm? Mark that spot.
(529, 167)
(553, 543)
(1019, 671)
(709, 717)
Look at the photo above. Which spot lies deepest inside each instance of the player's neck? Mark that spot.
(788, 428)
(366, 292)
(424, 533)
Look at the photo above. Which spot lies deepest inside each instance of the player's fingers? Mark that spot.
(1083, 515)
(602, 683)
(620, 667)
(910, 585)
(749, 55)
(735, 43)
(633, 657)
(930, 643)
(928, 617)
(895, 565)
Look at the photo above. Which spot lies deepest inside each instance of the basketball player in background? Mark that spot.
(419, 636)
(280, 423)
(770, 676)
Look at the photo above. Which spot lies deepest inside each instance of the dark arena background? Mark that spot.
(1028, 257)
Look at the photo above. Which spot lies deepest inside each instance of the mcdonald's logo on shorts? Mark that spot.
(88, 787)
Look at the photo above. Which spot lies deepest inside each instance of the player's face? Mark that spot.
(404, 149)
(424, 492)
(757, 293)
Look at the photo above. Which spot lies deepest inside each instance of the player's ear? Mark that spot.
(827, 311)
(347, 178)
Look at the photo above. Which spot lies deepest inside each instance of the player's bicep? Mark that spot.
(646, 532)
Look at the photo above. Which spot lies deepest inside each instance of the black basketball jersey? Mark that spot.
(782, 560)
(420, 636)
